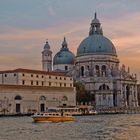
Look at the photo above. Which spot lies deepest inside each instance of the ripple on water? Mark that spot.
(98, 127)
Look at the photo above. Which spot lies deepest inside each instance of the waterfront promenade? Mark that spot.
(105, 110)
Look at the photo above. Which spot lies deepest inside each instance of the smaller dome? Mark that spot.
(64, 56)
(47, 46)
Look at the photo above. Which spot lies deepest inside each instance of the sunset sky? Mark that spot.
(26, 24)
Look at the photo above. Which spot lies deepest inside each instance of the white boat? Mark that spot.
(74, 111)
(92, 112)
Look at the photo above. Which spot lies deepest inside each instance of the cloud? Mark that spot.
(26, 45)
(22, 48)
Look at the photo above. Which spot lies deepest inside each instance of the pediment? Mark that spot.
(128, 78)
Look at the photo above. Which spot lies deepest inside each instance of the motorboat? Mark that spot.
(54, 117)
(92, 112)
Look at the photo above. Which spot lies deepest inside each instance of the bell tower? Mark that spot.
(47, 58)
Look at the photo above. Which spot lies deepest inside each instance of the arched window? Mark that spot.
(66, 68)
(127, 94)
(97, 70)
(104, 87)
(107, 87)
(82, 71)
(103, 70)
(42, 101)
(18, 106)
(18, 97)
(64, 98)
(42, 98)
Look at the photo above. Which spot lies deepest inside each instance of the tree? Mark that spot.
(82, 95)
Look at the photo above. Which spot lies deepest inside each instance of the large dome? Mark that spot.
(64, 56)
(96, 44)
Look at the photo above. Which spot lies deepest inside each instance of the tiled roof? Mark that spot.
(34, 72)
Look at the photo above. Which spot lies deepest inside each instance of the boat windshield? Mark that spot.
(60, 109)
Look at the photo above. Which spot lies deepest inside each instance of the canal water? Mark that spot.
(98, 127)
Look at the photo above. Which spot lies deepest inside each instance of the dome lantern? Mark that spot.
(95, 26)
(64, 45)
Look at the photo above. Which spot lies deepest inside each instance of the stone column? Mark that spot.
(122, 94)
(125, 100)
(136, 96)
(132, 95)
(118, 98)
(100, 71)
(98, 100)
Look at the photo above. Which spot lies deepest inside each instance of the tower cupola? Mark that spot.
(47, 46)
(47, 58)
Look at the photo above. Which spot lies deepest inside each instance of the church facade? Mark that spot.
(96, 65)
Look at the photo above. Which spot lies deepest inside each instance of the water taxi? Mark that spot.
(54, 117)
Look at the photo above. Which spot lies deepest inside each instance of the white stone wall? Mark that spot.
(89, 63)
(31, 98)
(36, 79)
(102, 101)
(114, 77)
(9, 78)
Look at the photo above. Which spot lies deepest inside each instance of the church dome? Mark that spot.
(64, 56)
(96, 43)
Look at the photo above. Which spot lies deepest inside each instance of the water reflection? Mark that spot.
(98, 127)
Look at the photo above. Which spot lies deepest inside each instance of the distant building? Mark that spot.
(96, 65)
(26, 91)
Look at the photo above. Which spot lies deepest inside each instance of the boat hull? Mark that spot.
(53, 119)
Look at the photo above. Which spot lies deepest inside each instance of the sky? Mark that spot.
(26, 24)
